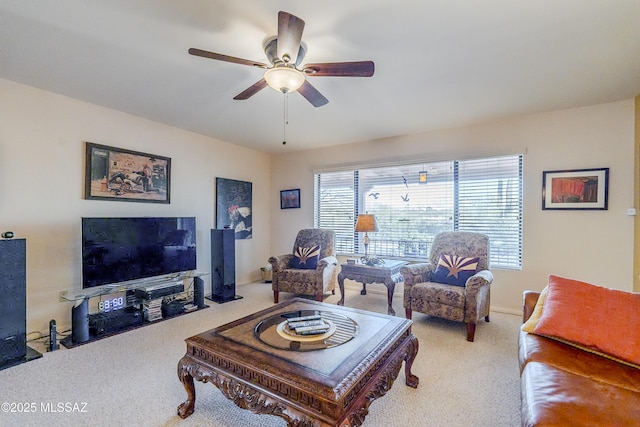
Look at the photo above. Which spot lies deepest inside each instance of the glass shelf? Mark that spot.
(82, 294)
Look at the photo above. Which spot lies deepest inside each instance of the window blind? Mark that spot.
(334, 207)
(414, 202)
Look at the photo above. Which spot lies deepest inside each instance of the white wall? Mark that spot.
(594, 246)
(42, 156)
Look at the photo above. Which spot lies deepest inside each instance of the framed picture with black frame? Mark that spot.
(577, 189)
(124, 175)
(290, 199)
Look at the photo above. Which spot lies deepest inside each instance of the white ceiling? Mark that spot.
(439, 63)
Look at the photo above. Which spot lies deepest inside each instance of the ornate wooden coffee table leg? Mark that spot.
(412, 351)
(186, 408)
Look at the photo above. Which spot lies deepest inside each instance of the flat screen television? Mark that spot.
(120, 249)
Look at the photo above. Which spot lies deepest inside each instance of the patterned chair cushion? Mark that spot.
(461, 243)
(439, 300)
(316, 236)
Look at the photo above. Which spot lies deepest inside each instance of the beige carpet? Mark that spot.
(130, 379)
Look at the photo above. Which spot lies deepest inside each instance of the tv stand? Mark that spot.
(104, 311)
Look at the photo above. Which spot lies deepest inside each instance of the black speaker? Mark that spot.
(198, 292)
(223, 266)
(53, 335)
(13, 300)
(80, 322)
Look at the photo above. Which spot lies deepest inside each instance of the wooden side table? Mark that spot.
(387, 274)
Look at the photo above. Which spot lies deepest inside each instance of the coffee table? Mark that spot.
(387, 274)
(328, 382)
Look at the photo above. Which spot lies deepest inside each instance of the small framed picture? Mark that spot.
(290, 199)
(579, 189)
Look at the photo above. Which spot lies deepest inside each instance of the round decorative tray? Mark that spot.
(274, 331)
(290, 334)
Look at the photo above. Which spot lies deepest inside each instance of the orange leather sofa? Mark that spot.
(562, 385)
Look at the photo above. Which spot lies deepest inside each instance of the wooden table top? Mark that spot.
(328, 372)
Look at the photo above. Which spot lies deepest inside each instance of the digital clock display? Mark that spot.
(112, 302)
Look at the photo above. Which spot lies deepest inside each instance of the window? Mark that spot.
(414, 202)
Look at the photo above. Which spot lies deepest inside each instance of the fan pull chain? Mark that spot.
(285, 118)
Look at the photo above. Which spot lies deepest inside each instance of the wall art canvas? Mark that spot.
(117, 174)
(575, 189)
(233, 206)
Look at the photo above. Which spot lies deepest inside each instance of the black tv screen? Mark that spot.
(120, 249)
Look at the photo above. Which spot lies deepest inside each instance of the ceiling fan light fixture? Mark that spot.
(284, 78)
(285, 72)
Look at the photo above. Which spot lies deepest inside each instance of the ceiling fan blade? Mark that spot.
(290, 29)
(251, 90)
(226, 58)
(312, 95)
(341, 69)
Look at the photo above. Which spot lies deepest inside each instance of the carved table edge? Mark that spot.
(245, 395)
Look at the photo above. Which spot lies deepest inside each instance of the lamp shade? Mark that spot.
(284, 78)
(366, 223)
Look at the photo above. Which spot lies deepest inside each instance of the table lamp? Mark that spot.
(366, 223)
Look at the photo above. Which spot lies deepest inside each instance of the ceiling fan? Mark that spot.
(285, 52)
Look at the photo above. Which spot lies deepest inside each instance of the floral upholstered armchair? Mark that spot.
(460, 262)
(311, 268)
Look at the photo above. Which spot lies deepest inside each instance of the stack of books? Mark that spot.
(152, 310)
(308, 325)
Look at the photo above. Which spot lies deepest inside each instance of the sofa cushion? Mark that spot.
(534, 348)
(592, 317)
(554, 397)
(454, 269)
(306, 257)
